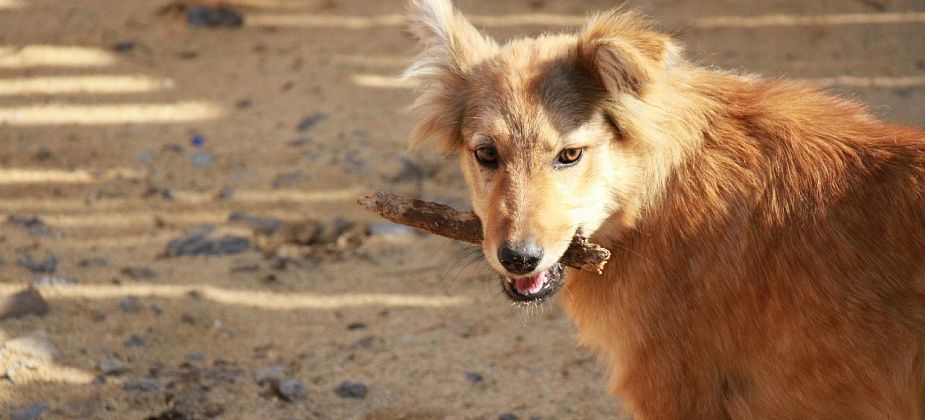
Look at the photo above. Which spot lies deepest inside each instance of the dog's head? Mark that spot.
(543, 128)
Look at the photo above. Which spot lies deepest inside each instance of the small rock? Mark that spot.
(139, 273)
(187, 319)
(33, 224)
(93, 262)
(26, 302)
(226, 193)
(202, 159)
(508, 416)
(299, 142)
(54, 281)
(130, 305)
(350, 389)
(272, 373)
(199, 16)
(42, 154)
(292, 389)
(30, 412)
(123, 46)
(329, 231)
(198, 140)
(197, 242)
(353, 326)
(134, 340)
(310, 121)
(260, 225)
(144, 384)
(367, 342)
(195, 357)
(112, 366)
(36, 345)
(243, 103)
(388, 229)
(474, 377)
(47, 266)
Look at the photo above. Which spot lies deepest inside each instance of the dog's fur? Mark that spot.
(768, 237)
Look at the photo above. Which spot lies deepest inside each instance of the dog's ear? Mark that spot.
(451, 46)
(624, 52)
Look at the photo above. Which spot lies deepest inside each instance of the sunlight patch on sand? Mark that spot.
(11, 176)
(810, 20)
(53, 56)
(381, 82)
(58, 114)
(94, 84)
(249, 298)
(366, 22)
(11, 4)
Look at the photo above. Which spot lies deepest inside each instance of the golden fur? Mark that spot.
(768, 237)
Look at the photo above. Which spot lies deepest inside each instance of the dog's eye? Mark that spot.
(569, 156)
(487, 156)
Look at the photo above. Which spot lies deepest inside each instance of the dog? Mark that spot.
(768, 237)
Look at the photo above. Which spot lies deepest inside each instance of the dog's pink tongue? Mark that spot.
(530, 285)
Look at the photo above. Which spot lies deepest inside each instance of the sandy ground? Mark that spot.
(96, 142)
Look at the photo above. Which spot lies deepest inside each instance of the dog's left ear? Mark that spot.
(624, 52)
(451, 46)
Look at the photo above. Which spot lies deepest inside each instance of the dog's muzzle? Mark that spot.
(535, 288)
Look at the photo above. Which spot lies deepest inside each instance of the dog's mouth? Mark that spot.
(535, 288)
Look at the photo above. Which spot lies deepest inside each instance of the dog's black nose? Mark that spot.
(520, 257)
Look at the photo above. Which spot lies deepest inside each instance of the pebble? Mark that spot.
(221, 16)
(226, 193)
(93, 262)
(388, 229)
(474, 377)
(310, 121)
(261, 225)
(36, 345)
(134, 340)
(292, 389)
(353, 326)
(195, 357)
(26, 302)
(329, 231)
(47, 266)
(33, 224)
(30, 412)
(350, 389)
(112, 366)
(144, 384)
(130, 305)
(123, 46)
(54, 281)
(202, 159)
(508, 416)
(139, 273)
(198, 242)
(270, 373)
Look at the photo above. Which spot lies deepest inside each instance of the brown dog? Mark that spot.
(768, 237)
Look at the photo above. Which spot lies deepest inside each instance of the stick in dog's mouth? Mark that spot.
(465, 226)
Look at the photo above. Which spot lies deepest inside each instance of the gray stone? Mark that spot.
(310, 121)
(199, 242)
(143, 384)
(112, 366)
(26, 302)
(30, 412)
(134, 340)
(291, 389)
(351, 389)
(202, 159)
(36, 345)
(474, 377)
(130, 305)
(47, 266)
(508, 416)
(261, 225)
(221, 16)
(139, 273)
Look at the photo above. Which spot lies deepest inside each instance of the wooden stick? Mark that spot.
(466, 226)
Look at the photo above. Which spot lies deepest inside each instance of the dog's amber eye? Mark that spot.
(487, 156)
(569, 156)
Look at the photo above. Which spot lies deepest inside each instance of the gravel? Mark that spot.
(291, 390)
(47, 266)
(199, 242)
(351, 389)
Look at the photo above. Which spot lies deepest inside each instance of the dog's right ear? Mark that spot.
(451, 46)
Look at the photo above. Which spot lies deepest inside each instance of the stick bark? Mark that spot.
(465, 226)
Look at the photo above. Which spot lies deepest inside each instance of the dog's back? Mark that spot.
(781, 275)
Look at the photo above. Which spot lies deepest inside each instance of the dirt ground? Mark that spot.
(122, 127)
